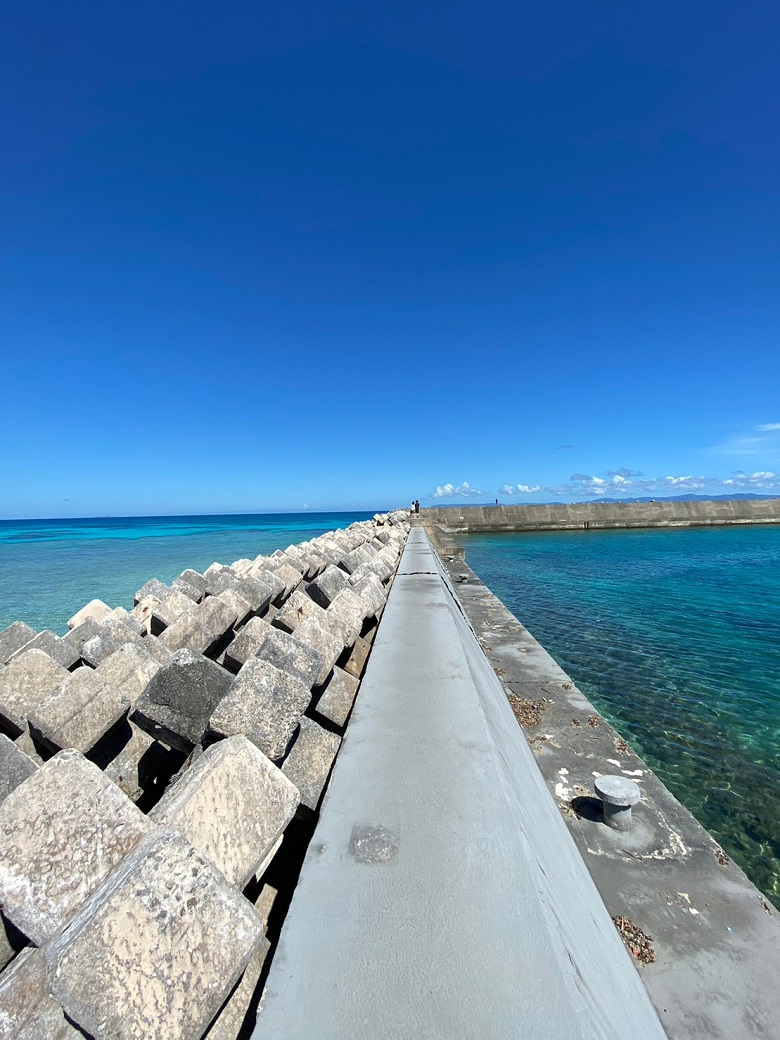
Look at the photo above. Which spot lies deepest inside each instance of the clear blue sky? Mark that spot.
(277, 255)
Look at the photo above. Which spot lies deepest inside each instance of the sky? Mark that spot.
(302, 255)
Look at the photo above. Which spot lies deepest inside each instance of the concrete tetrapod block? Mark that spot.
(310, 761)
(155, 952)
(351, 608)
(188, 633)
(13, 638)
(130, 669)
(114, 632)
(78, 713)
(176, 705)
(327, 586)
(27, 1011)
(296, 609)
(15, 766)
(246, 643)
(312, 634)
(95, 609)
(336, 702)
(265, 704)
(26, 681)
(289, 655)
(62, 831)
(57, 649)
(232, 805)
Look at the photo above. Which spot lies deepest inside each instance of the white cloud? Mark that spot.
(519, 489)
(761, 439)
(767, 427)
(632, 484)
(465, 490)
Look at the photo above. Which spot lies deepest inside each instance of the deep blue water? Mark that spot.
(51, 568)
(675, 636)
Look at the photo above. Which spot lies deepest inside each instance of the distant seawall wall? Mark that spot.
(601, 515)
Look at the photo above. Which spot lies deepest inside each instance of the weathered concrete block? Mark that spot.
(291, 577)
(338, 697)
(353, 559)
(156, 613)
(192, 592)
(238, 605)
(264, 703)
(130, 669)
(13, 638)
(327, 645)
(351, 608)
(246, 643)
(27, 680)
(119, 614)
(78, 636)
(176, 705)
(296, 609)
(26, 744)
(15, 766)
(272, 580)
(220, 580)
(27, 1011)
(286, 653)
(195, 580)
(235, 1015)
(57, 649)
(156, 649)
(326, 587)
(356, 662)
(188, 632)
(158, 949)
(216, 615)
(95, 609)
(78, 713)
(256, 591)
(114, 632)
(61, 833)
(232, 805)
(153, 587)
(310, 761)
(373, 591)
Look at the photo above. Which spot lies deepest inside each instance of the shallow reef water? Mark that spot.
(674, 635)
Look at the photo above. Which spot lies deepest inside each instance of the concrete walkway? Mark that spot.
(442, 896)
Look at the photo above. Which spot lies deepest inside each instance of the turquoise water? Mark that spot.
(675, 636)
(51, 568)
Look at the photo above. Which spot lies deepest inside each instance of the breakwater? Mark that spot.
(598, 515)
(161, 772)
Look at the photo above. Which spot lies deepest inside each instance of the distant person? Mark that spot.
(416, 506)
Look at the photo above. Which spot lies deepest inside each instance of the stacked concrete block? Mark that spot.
(310, 761)
(355, 664)
(194, 580)
(237, 1012)
(139, 765)
(13, 638)
(370, 589)
(82, 633)
(176, 705)
(335, 702)
(29, 678)
(186, 588)
(78, 712)
(292, 656)
(295, 609)
(95, 609)
(58, 650)
(246, 643)
(232, 805)
(130, 669)
(157, 948)
(188, 632)
(153, 587)
(15, 767)
(157, 612)
(284, 571)
(351, 609)
(114, 631)
(328, 646)
(62, 831)
(27, 1010)
(327, 586)
(265, 704)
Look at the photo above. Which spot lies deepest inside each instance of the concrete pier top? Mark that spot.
(442, 896)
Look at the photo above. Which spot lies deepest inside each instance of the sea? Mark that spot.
(673, 634)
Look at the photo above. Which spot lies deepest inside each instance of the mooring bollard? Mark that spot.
(618, 795)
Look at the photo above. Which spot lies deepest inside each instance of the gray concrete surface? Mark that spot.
(579, 515)
(715, 938)
(441, 896)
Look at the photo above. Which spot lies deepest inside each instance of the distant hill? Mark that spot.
(687, 498)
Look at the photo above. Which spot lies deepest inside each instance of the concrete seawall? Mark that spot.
(601, 515)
